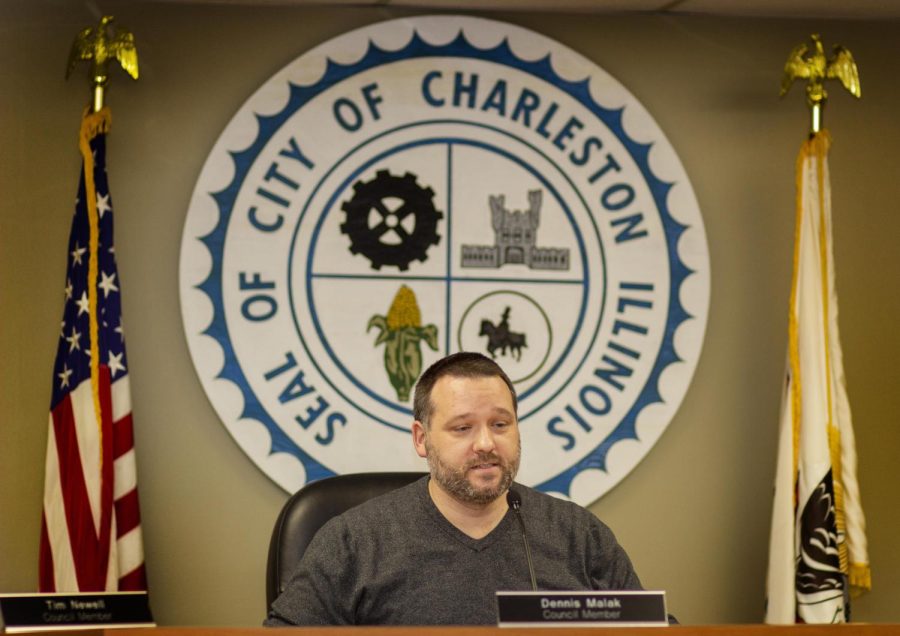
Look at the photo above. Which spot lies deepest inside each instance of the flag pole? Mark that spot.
(98, 46)
(816, 69)
(91, 538)
(818, 556)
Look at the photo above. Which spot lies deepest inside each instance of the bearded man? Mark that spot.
(436, 552)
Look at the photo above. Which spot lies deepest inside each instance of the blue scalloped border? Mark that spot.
(419, 48)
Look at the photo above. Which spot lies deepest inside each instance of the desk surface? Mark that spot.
(853, 629)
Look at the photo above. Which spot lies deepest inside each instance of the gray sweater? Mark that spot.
(396, 560)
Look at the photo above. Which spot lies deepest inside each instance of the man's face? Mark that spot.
(472, 443)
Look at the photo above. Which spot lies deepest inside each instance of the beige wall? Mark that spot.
(694, 515)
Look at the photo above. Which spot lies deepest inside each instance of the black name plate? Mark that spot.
(571, 609)
(34, 612)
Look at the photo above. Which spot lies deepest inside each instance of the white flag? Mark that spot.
(817, 547)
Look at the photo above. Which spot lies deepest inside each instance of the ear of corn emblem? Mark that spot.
(401, 333)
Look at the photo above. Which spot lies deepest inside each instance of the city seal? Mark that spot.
(429, 185)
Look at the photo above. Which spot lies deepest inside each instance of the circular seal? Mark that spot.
(428, 185)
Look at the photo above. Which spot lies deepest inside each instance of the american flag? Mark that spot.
(91, 527)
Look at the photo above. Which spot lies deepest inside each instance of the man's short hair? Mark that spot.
(465, 364)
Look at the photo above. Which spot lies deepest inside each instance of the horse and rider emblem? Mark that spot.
(501, 337)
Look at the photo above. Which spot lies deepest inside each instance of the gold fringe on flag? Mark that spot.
(93, 124)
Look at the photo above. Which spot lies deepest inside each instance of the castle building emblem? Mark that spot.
(428, 185)
(515, 237)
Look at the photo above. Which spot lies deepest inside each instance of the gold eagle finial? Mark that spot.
(816, 69)
(97, 46)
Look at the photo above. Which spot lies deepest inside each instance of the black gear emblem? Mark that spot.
(391, 220)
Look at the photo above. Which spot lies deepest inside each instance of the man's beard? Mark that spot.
(455, 481)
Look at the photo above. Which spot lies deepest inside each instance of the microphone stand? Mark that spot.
(515, 502)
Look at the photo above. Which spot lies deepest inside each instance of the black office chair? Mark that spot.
(309, 508)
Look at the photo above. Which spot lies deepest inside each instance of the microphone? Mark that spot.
(515, 502)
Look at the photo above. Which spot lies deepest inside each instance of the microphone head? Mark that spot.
(513, 499)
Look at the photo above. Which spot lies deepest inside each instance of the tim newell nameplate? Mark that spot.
(574, 609)
(46, 612)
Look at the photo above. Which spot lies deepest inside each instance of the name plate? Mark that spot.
(573, 609)
(43, 612)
